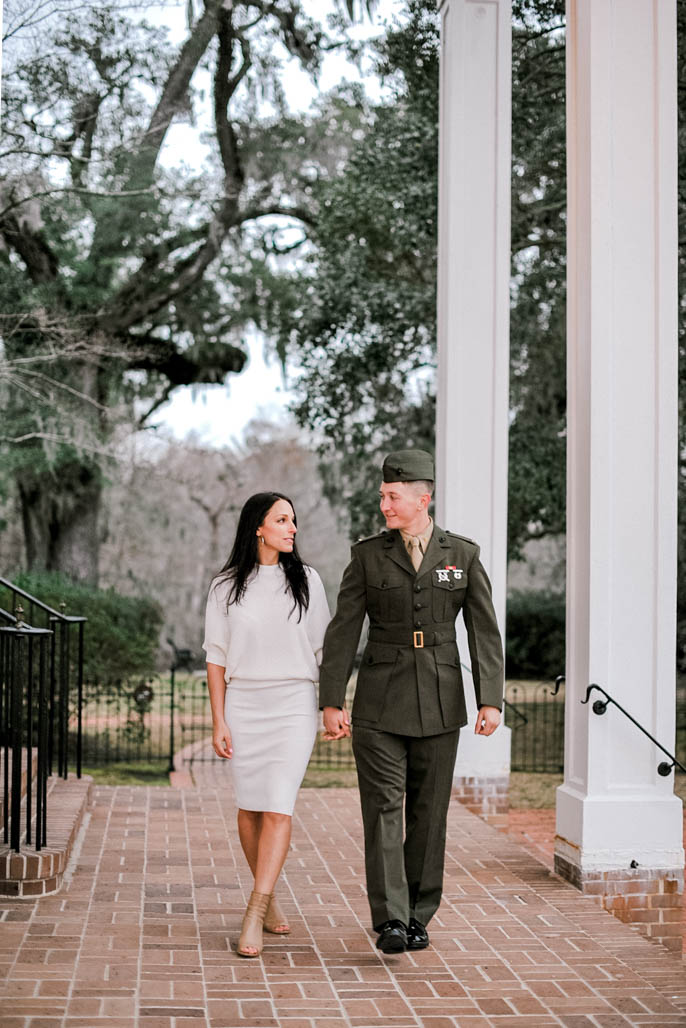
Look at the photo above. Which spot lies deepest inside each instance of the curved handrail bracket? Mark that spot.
(600, 706)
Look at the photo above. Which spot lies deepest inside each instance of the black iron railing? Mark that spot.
(41, 689)
(183, 660)
(65, 671)
(600, 706)
(24, 722)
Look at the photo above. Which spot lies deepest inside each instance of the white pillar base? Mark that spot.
(481, 779)
(582, 821)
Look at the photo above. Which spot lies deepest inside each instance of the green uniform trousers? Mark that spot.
(404, 862)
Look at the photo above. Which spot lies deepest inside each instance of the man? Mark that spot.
(412, 580)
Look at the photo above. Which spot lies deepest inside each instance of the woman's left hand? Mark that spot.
(221, 740)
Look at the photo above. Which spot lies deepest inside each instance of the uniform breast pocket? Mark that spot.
(447, 594)
(385, 600)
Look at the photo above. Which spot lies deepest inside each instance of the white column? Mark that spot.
(473, 307)
(622, 437)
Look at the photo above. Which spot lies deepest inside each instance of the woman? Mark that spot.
(265, 623)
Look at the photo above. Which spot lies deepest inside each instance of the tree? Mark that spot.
(537, 445)
(364, 338)
(358, 318)
(122, 277)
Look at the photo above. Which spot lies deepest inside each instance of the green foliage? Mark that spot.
(537, 315)
(535, 635)
(122, 633)
(122, 278)
(127, 773)
(359, 319)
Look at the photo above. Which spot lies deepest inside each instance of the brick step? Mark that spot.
(29, 874)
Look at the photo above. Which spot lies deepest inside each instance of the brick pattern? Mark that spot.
(32, 873)
(487, 797)
(651, 899)
(143, 933)
(654, 902)
(535, 831)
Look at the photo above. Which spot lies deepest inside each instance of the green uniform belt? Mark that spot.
(418, 639)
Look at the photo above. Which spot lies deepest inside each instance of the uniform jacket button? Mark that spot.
(418, 624)
(418, 606)
(418, 588)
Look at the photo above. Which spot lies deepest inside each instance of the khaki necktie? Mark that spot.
(415, 548)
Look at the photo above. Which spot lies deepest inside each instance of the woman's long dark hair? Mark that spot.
(241, 564)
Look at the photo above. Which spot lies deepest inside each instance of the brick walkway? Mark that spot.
(535, 831)
(143, 932)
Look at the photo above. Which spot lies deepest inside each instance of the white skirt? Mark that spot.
(273, 727)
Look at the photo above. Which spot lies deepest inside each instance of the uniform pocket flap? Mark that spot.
(451, 580)
(447, 655)
(378, 653)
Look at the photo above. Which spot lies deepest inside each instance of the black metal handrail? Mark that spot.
(35, 602)
(600, 706)
(24, 726)
(515, 710)
(62, 625)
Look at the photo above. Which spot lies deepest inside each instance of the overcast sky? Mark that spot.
(217, 414)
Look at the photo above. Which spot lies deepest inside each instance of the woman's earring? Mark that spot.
(260, 539)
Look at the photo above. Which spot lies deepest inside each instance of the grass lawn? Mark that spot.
(330, 778)
(537, 791)
(527, 791)
(152, 772)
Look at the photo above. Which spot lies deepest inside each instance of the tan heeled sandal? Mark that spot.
(250, 941)
(275, 920)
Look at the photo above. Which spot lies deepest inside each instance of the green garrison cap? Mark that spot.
(408, 466)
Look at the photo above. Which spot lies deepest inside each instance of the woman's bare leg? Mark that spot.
(249, 830)
(265, 838)
(275, 838)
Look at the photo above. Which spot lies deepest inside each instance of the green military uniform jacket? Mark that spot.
(410, 679)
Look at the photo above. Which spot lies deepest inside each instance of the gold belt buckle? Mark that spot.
(418, 640)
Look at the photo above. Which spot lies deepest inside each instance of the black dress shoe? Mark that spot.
(417, 935)
(392, 937)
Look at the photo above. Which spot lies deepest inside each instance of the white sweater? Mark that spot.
(260, 638)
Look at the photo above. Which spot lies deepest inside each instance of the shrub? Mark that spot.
(535, 635)
(122, 633)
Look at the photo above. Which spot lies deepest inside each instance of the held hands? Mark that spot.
(487, 720)
(221, 740)
(336, 724)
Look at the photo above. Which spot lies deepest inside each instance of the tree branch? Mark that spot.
(139, 300)
(41, 263)
(162, 399)
(224, 89)
(175, 90)
(300, 213)
(71, 189)
(162, 357)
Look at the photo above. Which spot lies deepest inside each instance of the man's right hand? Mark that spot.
(336, 724)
